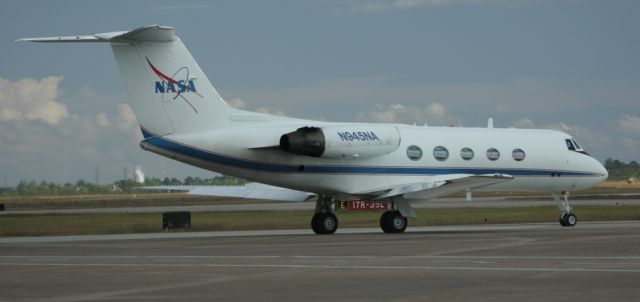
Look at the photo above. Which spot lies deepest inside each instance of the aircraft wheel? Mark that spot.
(393, 222)
(561, 220)
(568, 220)
(324, 223)
(383, 222)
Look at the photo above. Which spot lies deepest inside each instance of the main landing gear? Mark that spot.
(567, 219)
(393, 222)
(324, 219)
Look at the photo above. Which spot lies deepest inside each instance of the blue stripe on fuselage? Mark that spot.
(217, 158)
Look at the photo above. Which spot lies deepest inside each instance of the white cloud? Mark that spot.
(127, 121)
(630, 123)
(271, 111)
(433, 114)
(562, 127)
(126, 118)
(525, 122)
(102, 120)
(391, 114)
(32, 100)
(237, 103)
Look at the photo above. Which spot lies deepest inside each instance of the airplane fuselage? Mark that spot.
(539, 160)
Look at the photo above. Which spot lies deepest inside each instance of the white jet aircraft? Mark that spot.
(184, 118)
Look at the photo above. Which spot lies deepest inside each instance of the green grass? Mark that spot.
(16, 203)
(49, 225)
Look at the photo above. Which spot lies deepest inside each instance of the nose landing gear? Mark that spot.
(567, 219)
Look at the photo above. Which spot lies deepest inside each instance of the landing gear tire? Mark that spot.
(324, 223)
(568, 220)
(393, 222)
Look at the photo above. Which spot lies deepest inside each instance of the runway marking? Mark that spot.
(110, 295)
(439, 257)
(524, 257)
(364, 267)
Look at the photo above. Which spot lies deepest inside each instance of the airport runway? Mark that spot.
(524, 262)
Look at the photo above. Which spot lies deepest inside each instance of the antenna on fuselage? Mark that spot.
(490, 123)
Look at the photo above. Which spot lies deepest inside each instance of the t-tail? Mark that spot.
(169, 92)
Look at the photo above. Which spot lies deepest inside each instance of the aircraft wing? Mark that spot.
(250, 190)
(435, 187)
(444, 185)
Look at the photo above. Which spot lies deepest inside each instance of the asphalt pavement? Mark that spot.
(522, 262)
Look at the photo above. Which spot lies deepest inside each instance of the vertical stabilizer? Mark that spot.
(168, 90)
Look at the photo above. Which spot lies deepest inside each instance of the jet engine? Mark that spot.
(347, 142)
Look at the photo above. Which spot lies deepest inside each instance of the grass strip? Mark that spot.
(53, 225)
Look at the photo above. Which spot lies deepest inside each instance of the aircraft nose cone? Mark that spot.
(605, 173)
(602, 171)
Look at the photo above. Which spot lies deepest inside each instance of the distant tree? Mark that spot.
(619, 170)
(83, 187)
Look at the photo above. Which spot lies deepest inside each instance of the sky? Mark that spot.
(570, 65)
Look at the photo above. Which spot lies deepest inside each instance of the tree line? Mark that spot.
(619, 170)
(120, 186)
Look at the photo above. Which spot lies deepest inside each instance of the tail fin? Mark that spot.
(168, 90)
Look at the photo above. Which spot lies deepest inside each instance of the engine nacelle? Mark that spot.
(345, 142)
(307, 141)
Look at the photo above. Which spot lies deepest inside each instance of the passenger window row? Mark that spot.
(441, 153)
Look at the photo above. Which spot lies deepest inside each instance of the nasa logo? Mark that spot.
(162, 86)
(358, 136)
(169, 84)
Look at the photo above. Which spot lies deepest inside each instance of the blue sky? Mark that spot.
(571, 65)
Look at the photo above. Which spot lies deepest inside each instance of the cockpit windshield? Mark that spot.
(570, 145)
(573, 145)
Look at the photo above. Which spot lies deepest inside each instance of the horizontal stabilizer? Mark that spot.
(152, 33)
(63, 39)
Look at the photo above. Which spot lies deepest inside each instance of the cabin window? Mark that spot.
(414, 152)
(493, 154)
(466, 153)
(440, 153)
(518, 154)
